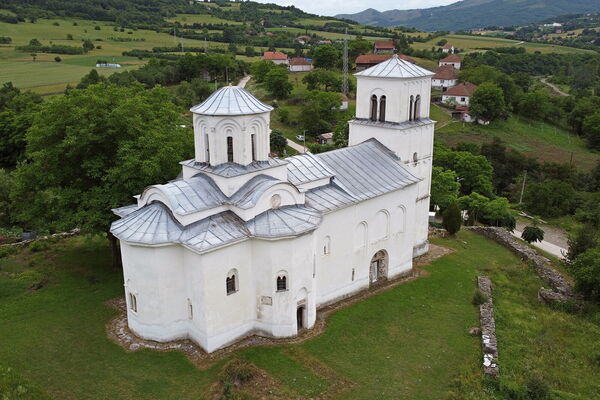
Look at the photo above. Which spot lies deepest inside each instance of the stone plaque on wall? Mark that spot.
(266, 300)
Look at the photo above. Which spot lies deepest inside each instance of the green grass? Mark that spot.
(534, 138)
(201, 19)
(408, 342)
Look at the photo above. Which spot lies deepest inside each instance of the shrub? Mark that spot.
(97, 28)
(532, 234)
(69, 36)
(586, 272)
(537, 388)
(39, 245)
(452, 218)
(7, 251)
(284, 115)
(57, 59)
(479, 298)
(238, 371)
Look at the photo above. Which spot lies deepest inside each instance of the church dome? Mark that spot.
(395, 67)
(231, 100)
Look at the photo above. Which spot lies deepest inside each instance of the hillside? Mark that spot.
(470, 14)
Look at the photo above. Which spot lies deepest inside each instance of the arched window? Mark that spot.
(415, 159)
(282, 282)
(382, 109)
(253, 140)
(231, 283)
(417, 113)
(373, 108)
(229, 149)
(207, 148)
(326, 245)
(380, 226)
(360, 236)
(133, 302)
(410, 109)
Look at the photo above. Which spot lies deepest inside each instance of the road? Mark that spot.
(546, 246)
(555, 88)
(242, 83)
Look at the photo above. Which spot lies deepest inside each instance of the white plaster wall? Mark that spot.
(454, 64)
(300, 68)
(443, 83)
(458, 99)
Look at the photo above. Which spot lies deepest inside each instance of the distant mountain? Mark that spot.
(470, 14)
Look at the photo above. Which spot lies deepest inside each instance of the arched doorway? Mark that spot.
(378, 267)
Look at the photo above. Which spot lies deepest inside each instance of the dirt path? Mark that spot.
(242, 83)
(554, 88)
(299, 148)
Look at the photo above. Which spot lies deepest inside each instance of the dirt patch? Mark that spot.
(119, 332)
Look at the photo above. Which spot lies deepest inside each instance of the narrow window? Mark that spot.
(190, 310)
(410, 109)
(253, 139)
(281, 283)
(327, 245)
(417, 113)
(230, 284)
(132, 302)
(352, 274)
(207, 148)
(382, 109)
(373, 108)
(463, 99)
(229, 149)
(415, 159)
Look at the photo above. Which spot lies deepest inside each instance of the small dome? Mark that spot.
(231, 100)
(395, 67)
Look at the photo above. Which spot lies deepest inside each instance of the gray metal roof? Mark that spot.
(395, 67)
(367, 169)
(248, 195)
(232, 169)
(328, 198)
(152, 224)
(284, 221)
(231, 100)
(306, 168)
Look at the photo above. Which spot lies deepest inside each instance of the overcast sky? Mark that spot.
(333, 7)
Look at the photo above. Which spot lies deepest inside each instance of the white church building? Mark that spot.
(243, 243)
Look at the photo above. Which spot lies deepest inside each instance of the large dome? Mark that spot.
(231, 100)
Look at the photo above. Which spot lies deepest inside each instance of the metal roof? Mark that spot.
(306, 168)
(395, 67)
(229, 170)
(284, 221)
(231, 100)
(248, 195)
(329, 198)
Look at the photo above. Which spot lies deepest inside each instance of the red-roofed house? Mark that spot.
(300, 64)
(459, 94)
(445, 78)
(448, 49)
(276, 56)
(365, 61)
(453, 60)
(384, 46)
(303, 39)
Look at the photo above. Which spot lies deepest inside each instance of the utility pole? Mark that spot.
(523, 187)
(345, 66)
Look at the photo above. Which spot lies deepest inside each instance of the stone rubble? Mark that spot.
(489, 343)
(62, 235)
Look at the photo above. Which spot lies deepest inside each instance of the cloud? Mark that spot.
(333, 7)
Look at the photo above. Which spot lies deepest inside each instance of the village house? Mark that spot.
(365, 61)
(326, 41)
(325, 138)
(303, 39)
(445, 78)
(453, 60)
(276, 56)
(384, 46)
(448, 48)
(300, 64)
(243, 243)
(460, 94)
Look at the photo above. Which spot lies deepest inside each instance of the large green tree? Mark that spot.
(488, 102)
(591, 130)
(474, 172)
(326, 56)
(277, 83)
(91, 150)
(444, 187)
(323, 80)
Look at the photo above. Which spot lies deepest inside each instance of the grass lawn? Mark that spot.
(534, 138)
(410, 342)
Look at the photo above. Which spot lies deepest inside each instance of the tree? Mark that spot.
(586, 272)
(474, 172)
(278, 142)
(532, 234)
(277, 83)
(232, 48)
(358, 46)
(551, 198)
(444, 187)
(88, 45)
(322, 80)
(90, 79)
(33, 56)
(582, 240)
(90, 150)
(583, 109)
(250, 52)
(442, 42)
(260, 70)
(473, 204)
(326, 56)
(320, 114)
(591, 130)
(535, 105)
(488, 102)
(452, 219)
(57, 59)
(35, 42)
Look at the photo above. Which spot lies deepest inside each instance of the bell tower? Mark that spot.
(392, 106)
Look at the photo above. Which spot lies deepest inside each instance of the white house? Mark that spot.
(453, 60)
(445, 78)
(243, 243)
(460, 94)
(300, 64)
(276, 56)
(448, 48)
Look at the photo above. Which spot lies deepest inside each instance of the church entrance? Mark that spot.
(300, 317)
(378, 267)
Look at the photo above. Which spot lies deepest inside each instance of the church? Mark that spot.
(244, 243)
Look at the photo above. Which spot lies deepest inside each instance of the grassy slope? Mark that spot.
(534, 138)
(408, 342)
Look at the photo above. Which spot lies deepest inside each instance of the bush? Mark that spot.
(39, 245)
(7, 251)
(238, 371)
(537, 388)
(97, 28)
(452, 218)
(532, 234)
(479, 298)
(586, 272)
(57, 59)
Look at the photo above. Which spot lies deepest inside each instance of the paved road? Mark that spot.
(244, 81)
(299, 148)
(546, 246)
(555, 88)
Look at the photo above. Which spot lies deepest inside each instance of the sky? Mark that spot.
(333, 7)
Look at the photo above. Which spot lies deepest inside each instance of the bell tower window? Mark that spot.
(373, 108)
(410, 109)
(253, 140)
(382, 109)
(207, 148)
(229, 149)
(417, 113)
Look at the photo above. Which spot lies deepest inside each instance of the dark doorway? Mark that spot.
(300, 317)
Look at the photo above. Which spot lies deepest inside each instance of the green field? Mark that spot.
(537, 139)
(410, 342)
(469, 43)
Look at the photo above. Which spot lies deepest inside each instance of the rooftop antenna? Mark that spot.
(345, 65)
